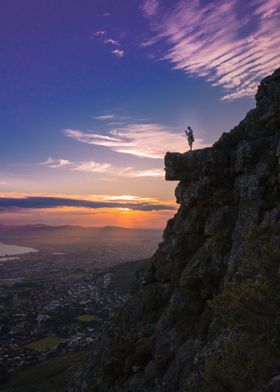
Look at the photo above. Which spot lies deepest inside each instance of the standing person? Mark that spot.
(189, 134)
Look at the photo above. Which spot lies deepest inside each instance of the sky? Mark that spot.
(95, 92)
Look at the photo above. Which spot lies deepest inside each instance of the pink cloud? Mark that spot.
(150, 7)
(146, 140)
(218, 42)
(102, 168)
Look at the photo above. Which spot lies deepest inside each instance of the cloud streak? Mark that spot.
(221, 42)
(44, 202)
(118, 53)
(98, 34)
(141, 140)
(105, 117)
(102, 168)
(112, 42)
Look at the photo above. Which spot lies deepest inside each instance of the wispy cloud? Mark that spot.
(92, 202)
(142, 140)
(103, 168)
(119, 119)
(150, 7)
(55, 163)
(98, 34)
(118, 52)
(111, 41)
(3, 182)
(131, 172)
(230, 43)
(101, 34)
(123, 198)
(86, 166)
(105, 117)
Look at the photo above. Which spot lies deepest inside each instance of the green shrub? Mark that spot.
(250, 310)
(115, 364)
(163, 359)
(141, 355)
(239, 366)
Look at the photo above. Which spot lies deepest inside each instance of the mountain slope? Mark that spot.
(206, 315)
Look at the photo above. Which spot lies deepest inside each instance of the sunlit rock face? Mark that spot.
(160, 338)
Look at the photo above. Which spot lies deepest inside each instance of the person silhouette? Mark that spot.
(189, 134)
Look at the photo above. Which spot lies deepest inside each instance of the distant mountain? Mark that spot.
(34, 227)
(76, 238)
(40, 226)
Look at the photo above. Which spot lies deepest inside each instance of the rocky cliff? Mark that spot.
(206, 314)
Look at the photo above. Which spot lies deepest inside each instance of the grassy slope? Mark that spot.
(45, 343)
(51, 375)
(124, 275)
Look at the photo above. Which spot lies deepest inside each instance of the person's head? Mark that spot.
(189, 128)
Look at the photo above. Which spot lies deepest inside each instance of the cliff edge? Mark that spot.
(206, 314)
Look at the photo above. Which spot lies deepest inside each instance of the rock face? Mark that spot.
(164, 336)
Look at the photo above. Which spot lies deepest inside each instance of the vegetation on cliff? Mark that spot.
(249, 311)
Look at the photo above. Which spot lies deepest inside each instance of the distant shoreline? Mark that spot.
(7, 250)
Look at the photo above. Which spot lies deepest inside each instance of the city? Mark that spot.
(54, 302)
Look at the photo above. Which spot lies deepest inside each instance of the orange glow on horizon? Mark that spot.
(89, 217)
(129, 211)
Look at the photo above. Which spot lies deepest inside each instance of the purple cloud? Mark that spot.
(145, 140)
(39, 202)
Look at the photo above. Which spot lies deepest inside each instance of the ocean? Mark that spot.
(13, 250)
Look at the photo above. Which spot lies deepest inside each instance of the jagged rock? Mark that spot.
(195, 165)
(218, 220)
(278, 152)
(159, 340)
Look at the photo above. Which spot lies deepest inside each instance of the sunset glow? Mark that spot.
(93, 95)
(105, 210)
(123, 217)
